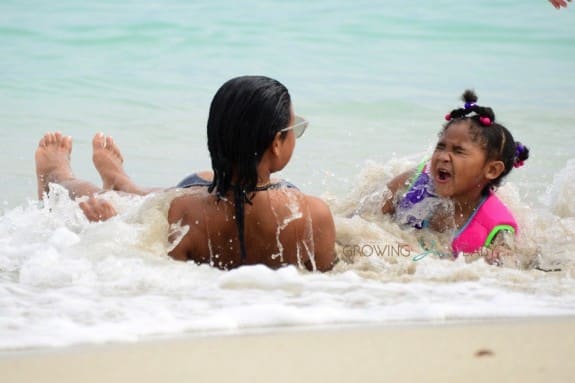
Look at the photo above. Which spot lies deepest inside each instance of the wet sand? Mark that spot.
(529, 350)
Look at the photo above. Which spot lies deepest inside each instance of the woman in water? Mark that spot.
(236, 214)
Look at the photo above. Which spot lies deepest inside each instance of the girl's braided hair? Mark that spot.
(496, 140)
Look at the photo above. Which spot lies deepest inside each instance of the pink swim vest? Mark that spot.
(491, 217)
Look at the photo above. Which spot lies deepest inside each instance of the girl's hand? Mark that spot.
(501, 249)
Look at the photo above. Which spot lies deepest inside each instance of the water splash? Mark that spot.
(64, 280)
(293, 205)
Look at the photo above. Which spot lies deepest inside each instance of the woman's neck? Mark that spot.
(263, 177)
(264, 174)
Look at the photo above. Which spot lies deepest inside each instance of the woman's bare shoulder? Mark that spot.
(185, 203)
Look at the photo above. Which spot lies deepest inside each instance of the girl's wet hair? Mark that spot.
(245, 115)
(496, 140)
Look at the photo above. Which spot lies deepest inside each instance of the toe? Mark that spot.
(99, 141)
(68, 142)
(58, 138)
(109, 143)
(49, 138)
(116, 149)
(42, 142)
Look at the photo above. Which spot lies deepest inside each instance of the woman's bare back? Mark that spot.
(278, 230)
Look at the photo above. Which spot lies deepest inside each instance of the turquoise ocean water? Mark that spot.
(375, 80)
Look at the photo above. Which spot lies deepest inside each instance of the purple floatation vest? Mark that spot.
(491, 216)
(417, 204)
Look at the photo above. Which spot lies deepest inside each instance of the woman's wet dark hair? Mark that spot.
(496, 140)
(245, 115)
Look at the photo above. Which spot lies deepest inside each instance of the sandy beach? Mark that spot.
(103, 302)
(530, 350)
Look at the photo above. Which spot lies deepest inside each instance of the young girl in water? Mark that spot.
(472, 156)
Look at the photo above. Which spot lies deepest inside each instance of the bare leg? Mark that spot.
(53, 166)
(108, 161)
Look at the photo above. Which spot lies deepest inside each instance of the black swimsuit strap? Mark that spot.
(195, 180)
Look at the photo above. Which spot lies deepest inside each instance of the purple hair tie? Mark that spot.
(519, 149)
(469, 105)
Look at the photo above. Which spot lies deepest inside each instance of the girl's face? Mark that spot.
(458, 165)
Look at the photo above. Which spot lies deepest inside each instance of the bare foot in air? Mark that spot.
(53, 161)
(109, 162)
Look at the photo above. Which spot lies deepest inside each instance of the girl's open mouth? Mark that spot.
(443, 175)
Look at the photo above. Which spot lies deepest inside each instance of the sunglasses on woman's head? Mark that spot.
(299, 126)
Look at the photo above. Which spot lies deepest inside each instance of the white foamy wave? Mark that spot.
(544, 240)
(64, 280)
(562, 191)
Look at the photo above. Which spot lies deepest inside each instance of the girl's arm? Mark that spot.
(394, 186)
(501, 249)
(499, 253)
